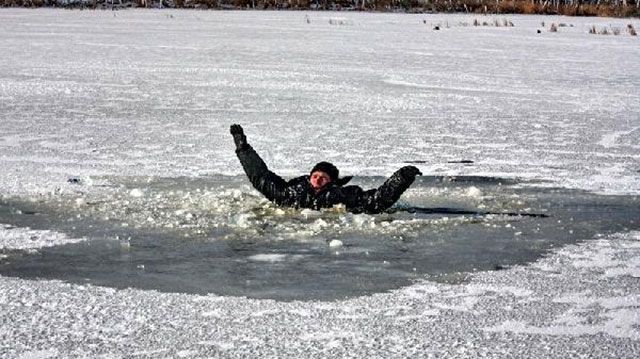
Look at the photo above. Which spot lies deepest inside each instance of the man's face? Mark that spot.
(319, 179)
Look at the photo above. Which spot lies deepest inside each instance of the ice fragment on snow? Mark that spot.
(136, 193)
(40, 354)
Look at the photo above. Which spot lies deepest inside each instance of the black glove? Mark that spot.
(238, 136)
(409, 172)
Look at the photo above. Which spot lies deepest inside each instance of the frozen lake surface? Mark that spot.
(105, 115)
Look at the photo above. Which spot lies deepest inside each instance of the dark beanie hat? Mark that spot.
(327, 168)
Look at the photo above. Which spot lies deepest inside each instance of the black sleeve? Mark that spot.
(266, 182)
(380, 199)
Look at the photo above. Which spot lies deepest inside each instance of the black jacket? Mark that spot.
(299, 194)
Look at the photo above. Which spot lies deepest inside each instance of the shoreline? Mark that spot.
(471, 7)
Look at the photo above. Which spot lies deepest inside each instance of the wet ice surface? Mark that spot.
(152, 93)
(215, 235)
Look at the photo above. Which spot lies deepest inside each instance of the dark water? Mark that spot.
(209, 236)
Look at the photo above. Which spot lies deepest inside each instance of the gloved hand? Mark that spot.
(238, 136)
(409, 171)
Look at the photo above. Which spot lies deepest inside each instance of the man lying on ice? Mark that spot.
(322, 188)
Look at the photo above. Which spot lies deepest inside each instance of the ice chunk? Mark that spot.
(335, 243)
(474, 191)
(267, 257)
(309, 213)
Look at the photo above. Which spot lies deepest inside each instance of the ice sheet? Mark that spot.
(95, 93)
(144, 93)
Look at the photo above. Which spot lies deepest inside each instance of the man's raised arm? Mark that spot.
(266, 182)
(380, 199)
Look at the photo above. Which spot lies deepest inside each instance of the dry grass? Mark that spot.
(527, 7)
(612, 30)
(495, 22)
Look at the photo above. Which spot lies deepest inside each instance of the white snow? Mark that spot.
(90, 94)
(548, 106)
(610, 139)
(27, 238)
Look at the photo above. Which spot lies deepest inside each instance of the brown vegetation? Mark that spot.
(608, 8)
(619, 8)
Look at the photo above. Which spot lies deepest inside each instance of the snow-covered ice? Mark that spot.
(90, 95)
(26, 238)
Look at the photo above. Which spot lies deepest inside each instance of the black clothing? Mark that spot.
(298, 192)
(238, 136)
